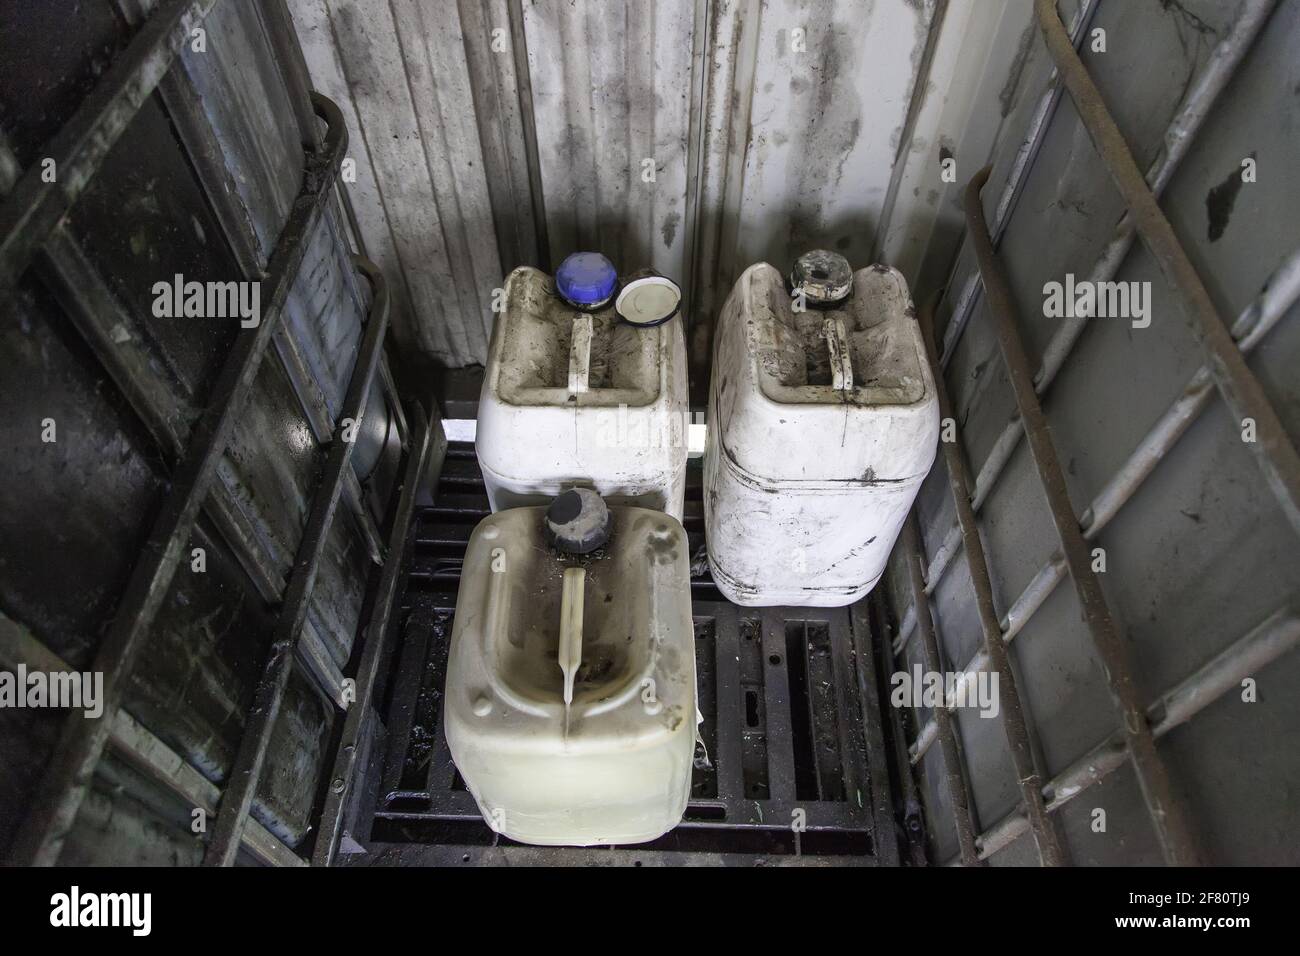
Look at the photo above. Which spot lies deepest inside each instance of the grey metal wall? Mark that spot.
(1202, 554)
(504, 133)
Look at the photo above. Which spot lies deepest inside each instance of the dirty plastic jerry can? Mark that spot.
(822, 424)
(570, 707)
(574, 394)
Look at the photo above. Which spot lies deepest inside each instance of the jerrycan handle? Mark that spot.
(580, 354)
(570, 655)
(837, 340)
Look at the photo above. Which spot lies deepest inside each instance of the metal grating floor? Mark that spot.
(782, 691)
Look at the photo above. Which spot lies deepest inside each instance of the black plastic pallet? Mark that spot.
(792, 769)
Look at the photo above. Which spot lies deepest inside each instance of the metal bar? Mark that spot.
(770, 815)
(293, 68)
(958, 795)
(376, 634)
(316, 412)
(67, 777)
(36, 208)
(98, 315)
(1014, 721)
(850, 720)
(776, 701)
(912, 809)
(729, 702)
(142, 749)
(206, 153)
(247, 770)
(1245, 657)
(518, 855)
(524, 91)
(1167, 816)
(1236, 382)
(861, 637)
(1183, 128)
(394, 402)
(1044, 111)
(278, 24)
(1281, 292)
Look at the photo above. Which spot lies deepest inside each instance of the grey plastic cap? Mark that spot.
(577, 522)
(824, 277)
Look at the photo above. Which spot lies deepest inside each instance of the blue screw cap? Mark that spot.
(586, 279)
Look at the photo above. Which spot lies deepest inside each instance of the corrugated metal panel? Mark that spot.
(401, 75)
(496, 134)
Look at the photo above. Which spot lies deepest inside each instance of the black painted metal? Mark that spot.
(247, 772)
(350, 742)
(35, 208)
(64, 784)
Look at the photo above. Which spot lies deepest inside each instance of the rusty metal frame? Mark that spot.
(1240, 389)
(1178, 137)
(142, 749)
(954, 775)
(1014, 712)
(1224, 349)
(1167, 816)
(343, 774)
(30, 225)
(1261, 645)
(1281, 292)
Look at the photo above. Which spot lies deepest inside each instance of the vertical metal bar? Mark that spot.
(1014, 721)
(247, 770)
(524, 88)
(376, 635)
(293, 68)
(861, 637)
(776, 701)
(61, 790)
(395, 402)
(1236, 382)
(958, 794)
(729, 720)
(1167, 815)
(912, 809)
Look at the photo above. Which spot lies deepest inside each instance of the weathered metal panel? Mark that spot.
(1202, 553)
(423, 203)
(691, 136)
(207, 171)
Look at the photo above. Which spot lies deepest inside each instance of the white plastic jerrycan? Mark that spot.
(823, 421)
(570, 706)
(575, 393)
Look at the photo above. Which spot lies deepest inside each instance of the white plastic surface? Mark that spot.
(613, 631)
(822, 425)
(572, 398)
